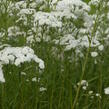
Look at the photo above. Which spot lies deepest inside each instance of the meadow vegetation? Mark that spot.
(54, 54)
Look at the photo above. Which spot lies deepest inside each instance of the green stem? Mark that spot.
(86, 59)
(100, 89)
(20, 92)
(2, 104)
(83, 72)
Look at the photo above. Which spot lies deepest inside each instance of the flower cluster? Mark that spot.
(70, 33)
(17, 56)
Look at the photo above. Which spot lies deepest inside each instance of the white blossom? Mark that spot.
(23, 73)
(94, 54)
(106, 91)
(17, 56)
(98, 95)
(42, 89)
(90, 92)
(84, 84)
(2, 79)
(101, 47)
(49, 19)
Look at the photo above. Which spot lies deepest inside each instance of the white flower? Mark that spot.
(25, 50)
(30, 39)
(84, 84)
(106, 91)
(17, 56)
(101, 47)
(84, 88)
(27, 80)
(26, 11)
(17, 62)
(42, 89)
(4, 59)
(23, 73)
(90, 92)
(49, 19)
(15, 31)
(98, 95)
(94, 2)
(2, 79)
(34, 79)
(94, 54)
(41, 65)
(11, 58)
